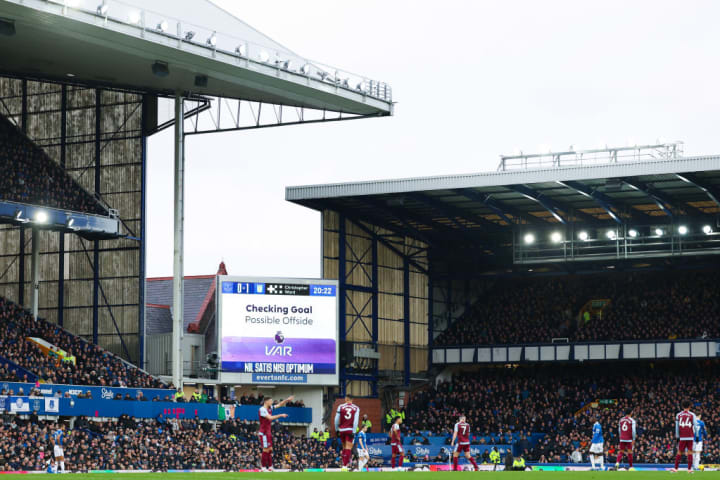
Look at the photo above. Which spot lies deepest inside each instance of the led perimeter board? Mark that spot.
(277, 330)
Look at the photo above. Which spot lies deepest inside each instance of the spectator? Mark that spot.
(576, 456)
(554, 403)
(643, 306)
(30, 176)
(139, 444)
(92, 366)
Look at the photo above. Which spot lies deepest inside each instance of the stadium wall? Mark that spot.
(384, 279)
(92, 288)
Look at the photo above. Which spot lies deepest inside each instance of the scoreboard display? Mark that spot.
(278, 331)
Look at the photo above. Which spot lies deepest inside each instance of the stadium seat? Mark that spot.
(30, 176)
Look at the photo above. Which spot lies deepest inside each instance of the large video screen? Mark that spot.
(278, 331)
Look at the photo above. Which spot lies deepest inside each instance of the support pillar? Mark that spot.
(431, 317)
(375, 308)
(406, 318)
(342, 294)
(35, 264)
(178, 250)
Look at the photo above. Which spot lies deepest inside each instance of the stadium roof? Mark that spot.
(115, 44)
(455, 206)
(159, 293)
(199, 296)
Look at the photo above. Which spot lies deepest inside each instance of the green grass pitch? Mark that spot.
(391, 475)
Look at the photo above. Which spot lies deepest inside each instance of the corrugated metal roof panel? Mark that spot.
(159, 291)
(495, 179)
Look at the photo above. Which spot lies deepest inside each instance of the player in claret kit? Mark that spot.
(396, 443)
(461, 432)
(700, 436)
(685, 434)
(265, 433)
(627, 429)
(597, 445)
(347, 418)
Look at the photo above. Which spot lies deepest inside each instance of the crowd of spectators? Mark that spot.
(158, 444)
(504, 403)
(257, 399)
(9, 374)
(31, 176)
(92, 365)
(652, 305)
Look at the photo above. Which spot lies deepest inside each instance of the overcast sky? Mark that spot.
(472, 80)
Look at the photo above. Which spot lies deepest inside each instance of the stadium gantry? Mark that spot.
(86, 81)
(408, 253)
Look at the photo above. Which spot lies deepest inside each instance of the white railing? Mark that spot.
(601, 156)
(171, 31)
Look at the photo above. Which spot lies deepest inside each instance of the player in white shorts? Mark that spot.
(597, 446)
(362, 448)
(57, 439)
(700, 436)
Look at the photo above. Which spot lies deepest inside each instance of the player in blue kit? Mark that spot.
(57, 440)
(700, 436)
(362, 448)
(596, 446)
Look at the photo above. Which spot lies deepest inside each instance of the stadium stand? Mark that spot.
(258, 400)
(86, 364)
(30, 176)
(8, 374)
(528, 403)
(643, 306)
(159, 445)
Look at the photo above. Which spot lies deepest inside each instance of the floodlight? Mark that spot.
(134, 17)
(556, 237)
(102, 9)
(682, 230)
(41, 216)
(189, 35)
(707, 229)
(659, 232)
(583, 236)
(163, 26)
(70, 221)
(18, 214)
(305, 68)
(611, 234)
(529, 238)
(241, 50)
(212, 41)
(632, 233)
